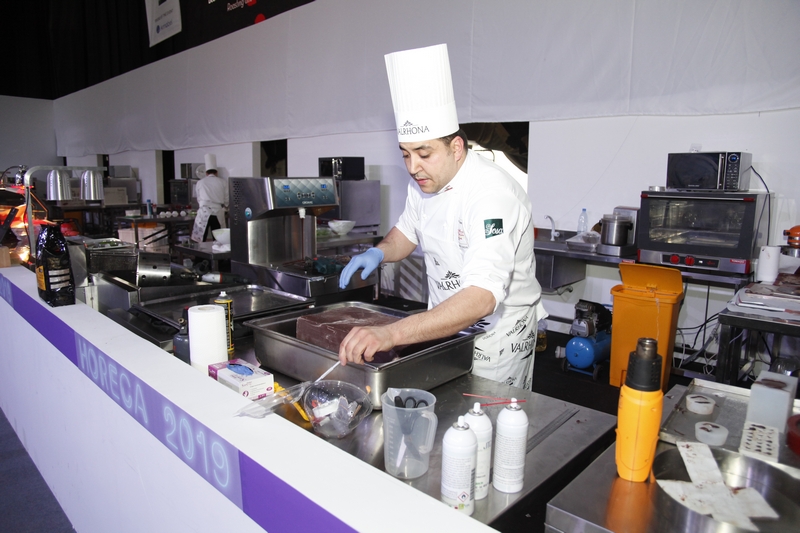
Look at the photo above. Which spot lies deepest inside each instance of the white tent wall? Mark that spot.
(27, 136)
(319, 69)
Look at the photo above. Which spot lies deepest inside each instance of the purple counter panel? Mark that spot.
(268, 500)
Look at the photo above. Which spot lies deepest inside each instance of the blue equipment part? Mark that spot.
(583, 352)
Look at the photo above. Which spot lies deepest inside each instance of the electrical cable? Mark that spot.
(709, 319)
(761, 216)
(683, 354)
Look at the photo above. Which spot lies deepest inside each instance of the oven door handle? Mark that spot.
(715, 198)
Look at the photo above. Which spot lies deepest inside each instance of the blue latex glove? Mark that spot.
(369, 261)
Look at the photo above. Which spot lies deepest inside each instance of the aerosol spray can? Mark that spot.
(639, 417)
(459, 454)
(226, 302)
(180, 341)
(509, 448)
(482, 427)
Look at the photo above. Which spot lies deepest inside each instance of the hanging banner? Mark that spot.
(163, 19)
(206, 20)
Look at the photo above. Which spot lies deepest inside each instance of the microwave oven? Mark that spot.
(709, 171)
(706, 231)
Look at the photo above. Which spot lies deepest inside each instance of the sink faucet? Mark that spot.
(553, 232)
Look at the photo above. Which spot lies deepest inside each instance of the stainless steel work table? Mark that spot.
(586, 504)
(171, 227)
(566, 438)
(598, 500)
(732, 324)
(343, 244)
(203, 250)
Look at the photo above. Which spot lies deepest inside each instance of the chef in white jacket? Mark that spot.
(473, 223)
(212, 200)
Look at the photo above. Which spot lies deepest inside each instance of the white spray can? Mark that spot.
(481, 425)
(459, 454)
(509, 448)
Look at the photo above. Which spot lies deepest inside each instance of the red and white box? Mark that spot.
(248, 380)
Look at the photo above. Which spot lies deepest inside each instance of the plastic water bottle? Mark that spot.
(459, 456)
(149, 208)
(541, 335)
(583, 222)
(481, 425)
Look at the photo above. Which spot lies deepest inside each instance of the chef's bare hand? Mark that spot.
(361, 344)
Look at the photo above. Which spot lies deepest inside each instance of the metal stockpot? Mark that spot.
(790, 251)
(615, 230)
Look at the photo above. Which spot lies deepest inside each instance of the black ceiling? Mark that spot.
(52, 48)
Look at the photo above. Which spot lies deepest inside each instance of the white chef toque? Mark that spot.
(211, 162)
(422, 93)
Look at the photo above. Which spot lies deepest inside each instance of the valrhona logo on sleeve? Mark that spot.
(493, 227)
(450, 282)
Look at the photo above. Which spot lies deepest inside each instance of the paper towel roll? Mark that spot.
(207, 336)
(768, 261)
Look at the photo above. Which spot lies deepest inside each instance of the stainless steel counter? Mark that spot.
(588, 503)
(559, 247)
(203, 250)
(562, 437)
(598, 500)
(342, 244)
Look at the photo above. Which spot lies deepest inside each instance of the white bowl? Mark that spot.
(341, 227)
(222, 236)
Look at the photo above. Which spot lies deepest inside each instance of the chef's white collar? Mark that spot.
(461, 171)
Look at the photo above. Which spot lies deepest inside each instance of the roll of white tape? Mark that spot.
(711, 433)
(699, 404)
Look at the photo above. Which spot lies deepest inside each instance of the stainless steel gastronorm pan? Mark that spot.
(278, 349)
(249, 301)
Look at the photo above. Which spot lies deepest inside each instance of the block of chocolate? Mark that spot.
(328, 328)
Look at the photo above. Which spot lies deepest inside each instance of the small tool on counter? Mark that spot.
(407, 420)
(324, 374)
(294, 394)
(263, 407)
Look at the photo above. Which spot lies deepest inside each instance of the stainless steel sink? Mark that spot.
(554, 270)
(558, 245)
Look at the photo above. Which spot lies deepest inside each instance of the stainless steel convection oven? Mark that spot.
(709, 231)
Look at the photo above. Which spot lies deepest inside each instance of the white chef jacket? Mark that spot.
(477, 231)
(212, 198)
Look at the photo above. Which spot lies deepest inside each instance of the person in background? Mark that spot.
(212, 200)
(473, 223)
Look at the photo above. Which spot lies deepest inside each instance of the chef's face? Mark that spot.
(433, 163)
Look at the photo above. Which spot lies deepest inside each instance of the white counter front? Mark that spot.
(129, 438)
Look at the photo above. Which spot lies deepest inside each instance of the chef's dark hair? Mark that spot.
(447, 139)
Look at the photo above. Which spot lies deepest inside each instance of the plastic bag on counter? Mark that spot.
(264, 406)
